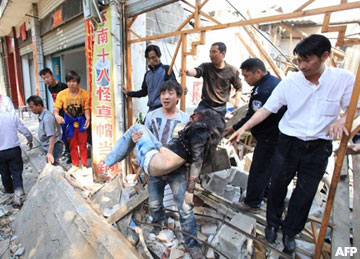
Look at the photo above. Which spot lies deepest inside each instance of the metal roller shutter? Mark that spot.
(26, 49)
(64, 37)
(46, 6)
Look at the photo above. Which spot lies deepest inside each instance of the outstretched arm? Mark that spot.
(258, 117)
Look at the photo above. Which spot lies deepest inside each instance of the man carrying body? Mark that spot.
(153, 79)
(218, 76)
(162, 123)
(314, 97)
(11, 163)
(76, 104)
(49, 131)
(266, 133)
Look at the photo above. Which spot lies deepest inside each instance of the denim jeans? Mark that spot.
(11, 169)
(124, 145)
(177, 182)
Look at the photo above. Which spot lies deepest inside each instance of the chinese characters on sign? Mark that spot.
(102, 94)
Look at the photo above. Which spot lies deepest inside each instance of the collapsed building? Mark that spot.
(70, 216)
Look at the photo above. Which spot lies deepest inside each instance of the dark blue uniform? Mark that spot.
(266, 134)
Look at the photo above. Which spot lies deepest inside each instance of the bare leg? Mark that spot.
(165, 162)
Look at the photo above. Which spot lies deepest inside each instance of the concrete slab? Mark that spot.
(57, 222)
(231, 242)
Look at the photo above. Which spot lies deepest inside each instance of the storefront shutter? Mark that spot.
(26, 49)
(46, 6)
(64, 37)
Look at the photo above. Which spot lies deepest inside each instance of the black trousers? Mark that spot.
(260, 171)
(309, 160)
(11, 168)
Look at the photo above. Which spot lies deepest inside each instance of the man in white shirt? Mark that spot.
(6, 104)
(11, 163)
(314, 97)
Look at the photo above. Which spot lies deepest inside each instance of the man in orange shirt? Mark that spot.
(76, 104)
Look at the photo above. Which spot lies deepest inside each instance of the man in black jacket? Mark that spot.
(266, 133)
(153, 79)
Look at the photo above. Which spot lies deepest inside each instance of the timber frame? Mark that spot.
(248, 27)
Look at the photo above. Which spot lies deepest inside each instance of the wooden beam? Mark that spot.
(341, 213)
(136, 35)
(338, 164)
(251, 52)
(183, 69)
(263, 52)
(131, 22)
(175, 55)
(187, 20)
(293, 31)
(356, 201)
(203, 13)
(197, 15)
(326, 21)
(304, 5)
(273, 18)
(132, 204)
(128, 77)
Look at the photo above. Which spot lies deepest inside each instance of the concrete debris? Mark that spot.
(208, 229)
(20, 251)
(61, 217)
(166, 236)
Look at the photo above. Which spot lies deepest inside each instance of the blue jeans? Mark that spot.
(124, 145)
(177, 182)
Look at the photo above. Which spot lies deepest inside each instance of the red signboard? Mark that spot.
(57, 18)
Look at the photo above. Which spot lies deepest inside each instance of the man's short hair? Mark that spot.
(72, 75)
(221, 46)
(252, 65)
(315, 44)
(45, 71)
(152, 48)
(36, 100)
(172, 84)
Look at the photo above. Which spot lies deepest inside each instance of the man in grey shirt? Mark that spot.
(49, 131)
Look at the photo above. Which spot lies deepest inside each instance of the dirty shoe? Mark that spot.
(244, 207)
(17, 201)
(196, 253)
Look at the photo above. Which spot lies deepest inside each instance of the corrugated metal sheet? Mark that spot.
(26, 49)
(46, 6)
(64, 37)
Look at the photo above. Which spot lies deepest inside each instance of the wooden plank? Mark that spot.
(174, 57)
(203, 13)
(338, 164)
(132, 204)
(272, 18)
(183, 69)
(267, 57)
(325, 25)
(128, 77)
(251, 52)
(293, 31)
(304, 5)
(356, 201)
(341, 214)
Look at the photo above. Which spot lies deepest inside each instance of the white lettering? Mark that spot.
(346, 251)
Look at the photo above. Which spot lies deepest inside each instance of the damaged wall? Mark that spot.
(57, 222)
